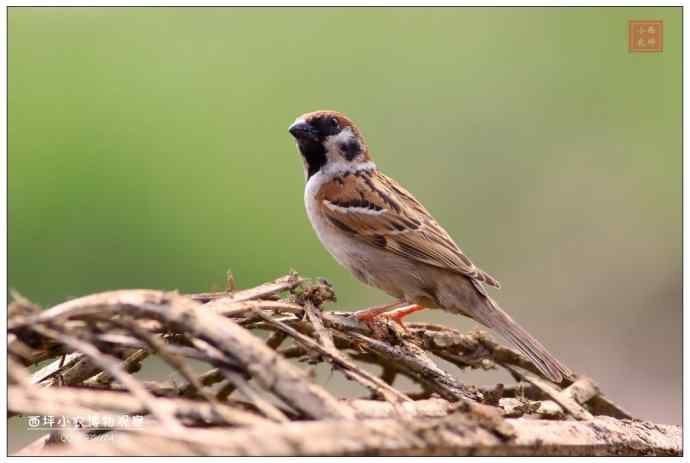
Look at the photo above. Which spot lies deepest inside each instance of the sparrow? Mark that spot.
(381, 233)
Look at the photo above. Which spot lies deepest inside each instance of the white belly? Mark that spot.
(339, 245)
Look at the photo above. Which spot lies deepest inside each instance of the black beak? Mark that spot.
(303, 131)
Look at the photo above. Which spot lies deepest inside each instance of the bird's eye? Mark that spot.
(334, 123)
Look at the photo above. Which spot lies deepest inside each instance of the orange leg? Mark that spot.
(373, 312)
(398, 314)
(395, 315)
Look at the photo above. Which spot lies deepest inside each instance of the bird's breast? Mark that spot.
(336, 242)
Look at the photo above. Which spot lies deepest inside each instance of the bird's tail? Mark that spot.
(495, 318)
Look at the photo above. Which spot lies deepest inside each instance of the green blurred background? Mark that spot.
(148, 147)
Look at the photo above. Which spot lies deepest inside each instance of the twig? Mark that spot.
(273, 372)
(260, 292)
(131, 364)
(161, 349)
(454, 435)
(85, 402)
(268, 409)
(323, 335)
(412, 360)
(565, 400)
(112, 366)
(363, 377)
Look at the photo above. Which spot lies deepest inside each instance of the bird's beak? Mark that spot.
(302, 130)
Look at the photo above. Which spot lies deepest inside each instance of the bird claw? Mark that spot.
(372, 318)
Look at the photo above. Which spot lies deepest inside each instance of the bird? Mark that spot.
(387, 239)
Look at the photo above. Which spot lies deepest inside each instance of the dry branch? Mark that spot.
(265, 403)
(455, 435)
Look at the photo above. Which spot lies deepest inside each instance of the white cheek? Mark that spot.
(337, 164)
(331, 143)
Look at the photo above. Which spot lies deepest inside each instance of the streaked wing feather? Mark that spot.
(375, 209)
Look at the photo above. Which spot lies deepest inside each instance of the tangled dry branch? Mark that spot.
(255, 397)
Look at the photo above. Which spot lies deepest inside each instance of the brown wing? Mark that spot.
(374, 208)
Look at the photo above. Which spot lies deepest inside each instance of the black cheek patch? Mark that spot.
(350, 149)
(314, 154)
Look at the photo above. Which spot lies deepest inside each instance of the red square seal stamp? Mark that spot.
(645, 36)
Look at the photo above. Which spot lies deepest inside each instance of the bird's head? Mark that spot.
(329, 139)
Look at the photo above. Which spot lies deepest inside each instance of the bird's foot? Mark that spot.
(366, 315)
(395, 315)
